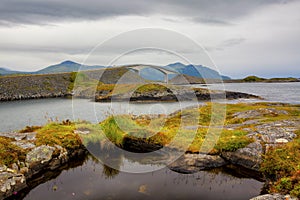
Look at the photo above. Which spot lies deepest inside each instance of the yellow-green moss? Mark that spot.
(10, 153)
(58, 134)
(283, 164)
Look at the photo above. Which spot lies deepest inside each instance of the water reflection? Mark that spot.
(117, 158)
(93, 180)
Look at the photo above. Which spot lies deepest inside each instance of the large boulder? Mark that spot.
(191, 163)
(249, 157)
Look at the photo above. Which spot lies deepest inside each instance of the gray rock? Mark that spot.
(249, 157)
(40, 154)
(15, 167)
(259, 112)
(19, 136)
(30, 136)
(191, 163)
(9, 181)
(16, 136)
(3, 168)
(24, 144)
(274, 197)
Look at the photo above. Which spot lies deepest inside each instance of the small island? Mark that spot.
(256, 79)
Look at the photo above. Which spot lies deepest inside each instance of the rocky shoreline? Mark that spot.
(174, 95)
(42, 159)
(34, 87)
(41, 164)
(62, 85)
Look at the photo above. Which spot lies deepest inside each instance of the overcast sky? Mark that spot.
(242, 37)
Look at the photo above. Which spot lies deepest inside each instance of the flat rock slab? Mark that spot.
(19, 136)
(24, 144)
(259, 113)
(40, 154)
(191, 163)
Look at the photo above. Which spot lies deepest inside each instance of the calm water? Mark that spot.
(92, 180)
(16, 115)
(277, 92)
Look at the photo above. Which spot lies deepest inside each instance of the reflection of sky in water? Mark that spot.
(18, 114)
(91, 181)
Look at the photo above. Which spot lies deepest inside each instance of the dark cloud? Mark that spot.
(202, 11)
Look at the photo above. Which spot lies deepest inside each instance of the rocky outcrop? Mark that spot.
(265, 136)
(34, 86)
(191, 163)
(173, 94)
(249, 157)
(39, 160)
(61, 85)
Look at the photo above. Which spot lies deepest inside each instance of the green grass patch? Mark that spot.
(232, 140)
(283, 164)
(81, 80)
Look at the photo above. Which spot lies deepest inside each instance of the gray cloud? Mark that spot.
(47, 11)
(226, 44)
(210, 21)
(232, 42)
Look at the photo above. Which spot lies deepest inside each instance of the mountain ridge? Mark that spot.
(198, 71)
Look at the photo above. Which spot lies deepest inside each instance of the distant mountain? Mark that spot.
(154, 75)
(196, 70)
(67, 66)
(4, 71)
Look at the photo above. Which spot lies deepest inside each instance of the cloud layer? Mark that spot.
(48, 11)
(242, 37)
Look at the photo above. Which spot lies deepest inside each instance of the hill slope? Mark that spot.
(67, 66)
(196, 71)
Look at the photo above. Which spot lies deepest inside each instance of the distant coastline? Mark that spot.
(255, 79)
(62, 85)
